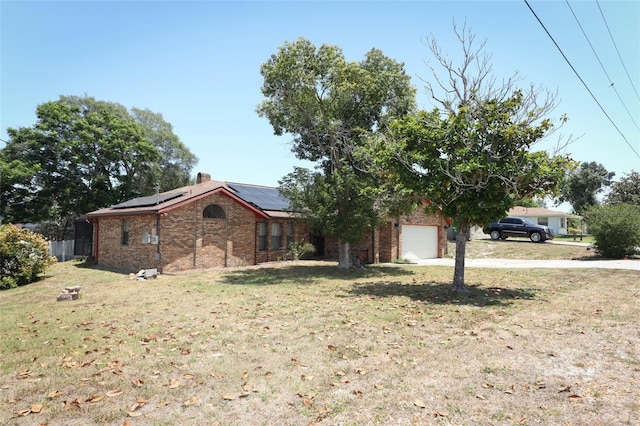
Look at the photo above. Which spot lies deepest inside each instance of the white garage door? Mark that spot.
(419, 242)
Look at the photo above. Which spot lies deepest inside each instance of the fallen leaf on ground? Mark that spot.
(113, 393)
(419, 403)
(193, 400)
(94, 398)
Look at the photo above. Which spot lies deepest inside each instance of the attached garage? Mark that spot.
(419, 242)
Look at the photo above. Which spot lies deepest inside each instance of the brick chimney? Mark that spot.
(203, 177)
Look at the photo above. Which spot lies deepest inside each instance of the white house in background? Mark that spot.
(554, 219)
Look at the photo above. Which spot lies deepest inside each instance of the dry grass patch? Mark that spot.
(523, 249)
(305, 343)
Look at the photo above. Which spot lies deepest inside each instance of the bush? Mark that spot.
(23, 255)
(615, 228)
(301, 249)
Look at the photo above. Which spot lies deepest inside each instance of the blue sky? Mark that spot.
(198, 63)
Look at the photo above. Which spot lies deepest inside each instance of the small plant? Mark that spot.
(301, 249)
(23, 256)
(402, 261)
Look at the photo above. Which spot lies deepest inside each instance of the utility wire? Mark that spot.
(580, 78)
(611, 83)
(616, 46)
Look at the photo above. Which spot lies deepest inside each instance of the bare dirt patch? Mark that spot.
(304, 343)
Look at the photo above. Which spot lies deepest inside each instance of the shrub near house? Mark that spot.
(23, 256)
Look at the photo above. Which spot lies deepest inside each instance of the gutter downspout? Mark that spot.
(195, 235)
(158, 256)
(97, 244)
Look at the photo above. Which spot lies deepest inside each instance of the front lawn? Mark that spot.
(305, 343)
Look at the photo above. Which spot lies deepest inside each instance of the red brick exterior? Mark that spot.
(384, 244)
(187, 240)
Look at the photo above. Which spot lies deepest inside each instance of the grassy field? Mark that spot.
(304, 343)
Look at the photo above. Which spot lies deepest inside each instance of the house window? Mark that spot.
(262, 236)
(214, 211)
(276, 236)
(544, 221)
(563, 222)
(125, 232)
(289, 234)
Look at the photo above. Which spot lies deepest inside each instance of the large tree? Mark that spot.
(472, 155)
(81, 154)
(626, 190)
(331, 107)
(582, 186)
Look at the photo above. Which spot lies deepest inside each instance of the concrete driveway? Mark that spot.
(535, 264)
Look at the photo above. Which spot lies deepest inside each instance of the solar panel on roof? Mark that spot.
(263, 197)
(148, 201)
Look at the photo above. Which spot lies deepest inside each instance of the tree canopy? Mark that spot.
(582, 185)
(625, 190)
(331, 107)
(472, 156)
(83, 154)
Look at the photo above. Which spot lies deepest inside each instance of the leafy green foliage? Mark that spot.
(331, 203)
(473, 156)
(473, 163)
(301, 249)
(331, 107)
(616, 229)
(582, 185)
(23, 256)
(626, 190)
(82, 155)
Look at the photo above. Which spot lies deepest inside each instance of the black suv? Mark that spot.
(518, 227)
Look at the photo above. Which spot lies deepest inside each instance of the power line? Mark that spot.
(616, 46)
(611, 83)
(580, 78)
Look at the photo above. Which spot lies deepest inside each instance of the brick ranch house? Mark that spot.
(220, 224)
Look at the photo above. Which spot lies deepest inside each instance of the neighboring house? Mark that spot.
(556, 220)
(219, 224)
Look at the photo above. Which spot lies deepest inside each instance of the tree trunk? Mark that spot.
(344, 254)
(461, 248)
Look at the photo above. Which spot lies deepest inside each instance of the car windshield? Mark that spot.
(528, 222)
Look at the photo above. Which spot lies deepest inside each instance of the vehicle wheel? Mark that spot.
(535, 237)
(495, 235)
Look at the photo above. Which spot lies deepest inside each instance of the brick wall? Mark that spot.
(384, 244)
(131, 257)
(190, 241)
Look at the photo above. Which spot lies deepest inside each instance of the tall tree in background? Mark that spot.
(173, 168)
(472, 155)
(331, 107)
(582, 186)
(626, 190)
(82, 154)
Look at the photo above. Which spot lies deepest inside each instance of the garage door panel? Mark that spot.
(419, 242)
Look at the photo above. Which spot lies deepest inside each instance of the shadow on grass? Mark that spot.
(305, 274)
(439, 293)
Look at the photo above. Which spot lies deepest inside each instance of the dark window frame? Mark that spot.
(262, 236)
(126, 228)
(214, 211)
